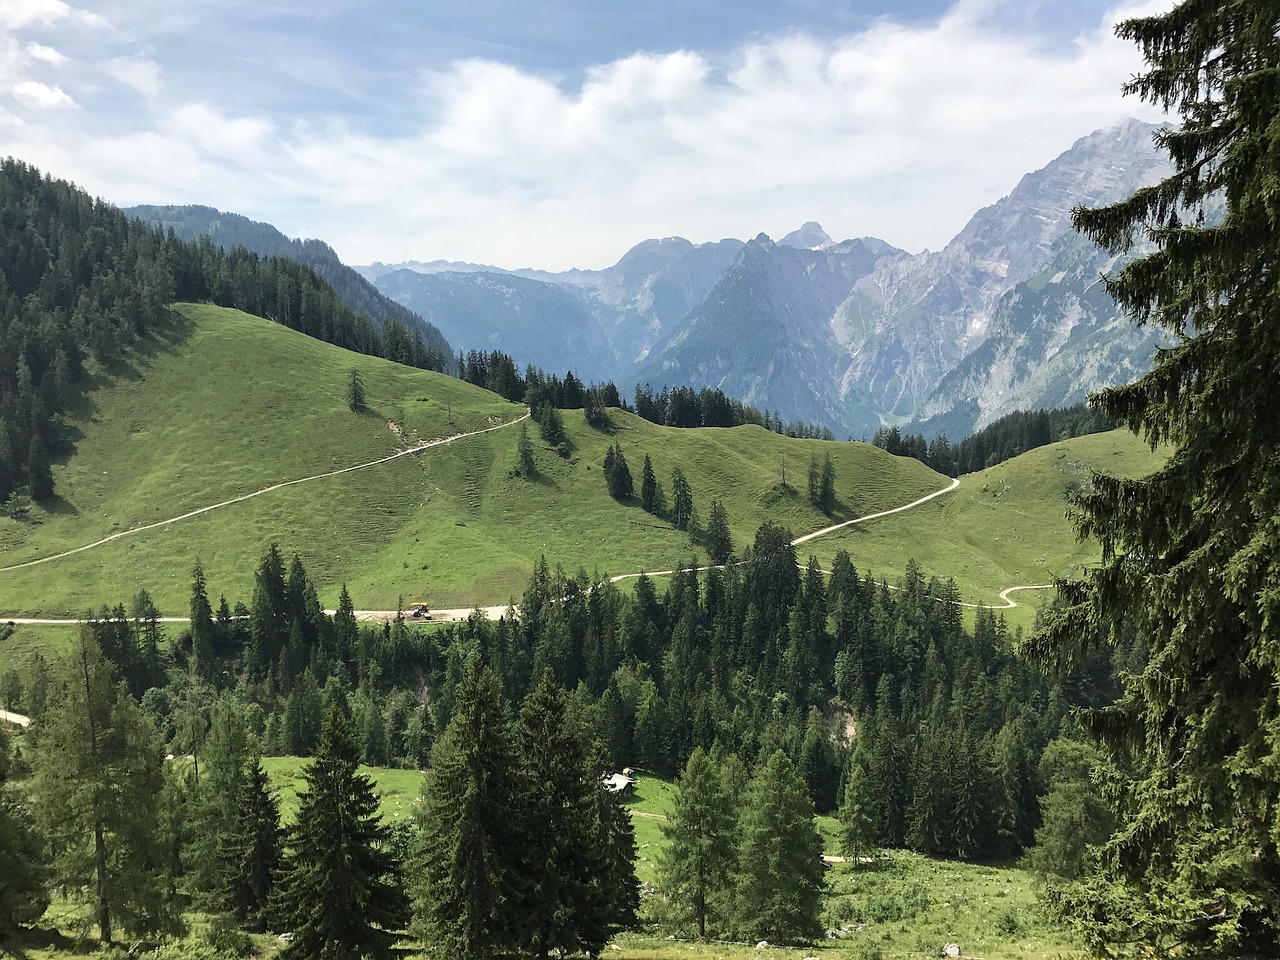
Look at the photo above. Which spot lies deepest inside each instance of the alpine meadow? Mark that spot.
(806, 598)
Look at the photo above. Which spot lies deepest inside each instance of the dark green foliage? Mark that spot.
(710, 407)
(719, 541)
(466, 890)
(565, 903)
(355, 391)
(697, 867)
(857, 827)
(616, 474)
(39, 474)
(1189, 552)
(780, 872)
(550, 424)
(96, 786)
(253, 848)
(648, 487)
(525, 466)
(23, 897)
(681, 500)
(1013, 434)
(1076, 820)
(340, 890)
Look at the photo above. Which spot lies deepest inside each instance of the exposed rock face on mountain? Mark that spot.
(229, 230)
(912, 320)
(763, 333)
(545, 324)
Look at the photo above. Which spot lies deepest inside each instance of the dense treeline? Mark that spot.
(807, 689)
(710, 407)
(1002, 440)
(79, 279)
(230, 230)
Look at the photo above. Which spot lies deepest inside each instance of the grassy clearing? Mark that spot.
(1004, 526)
(17, 648)
(225, 404)
(397, 789)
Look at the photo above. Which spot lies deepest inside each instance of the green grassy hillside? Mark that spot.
(1006, 525)
(226, 404)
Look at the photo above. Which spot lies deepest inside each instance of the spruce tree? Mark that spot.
(355, 391)
(253, 848)
(681, 500)
(465, 889)
(719, 539)
(1188, 553)
(827, 486)
(524, 454)
(857, 828)
(780, 871)
(564, 907)
(340, 890)
(648, 487)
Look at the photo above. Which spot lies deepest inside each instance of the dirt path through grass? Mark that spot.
(419, 448)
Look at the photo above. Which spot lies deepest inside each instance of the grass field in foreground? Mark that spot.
(397, 789)
(226, 404)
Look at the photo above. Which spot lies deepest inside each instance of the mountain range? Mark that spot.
(853, 335)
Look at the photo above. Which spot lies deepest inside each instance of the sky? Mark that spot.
(559, 133)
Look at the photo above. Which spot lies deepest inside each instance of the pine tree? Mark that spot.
(355, 391)
(681, 500)
(697, 867)
(1188, 552)
(96, 785)
(719, 539)
(564, 907)
(202, 630)
(780, 872)
(648, 487)
(524, 454)
(827, 486)
(465, 889)
(857, 828)
(340, 889)
(253, 849)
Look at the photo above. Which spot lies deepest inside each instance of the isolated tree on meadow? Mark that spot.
(1188, 553)
(719, 540)
(681, 500)
(355, 391)
(648, 487)
(857, 827)
(524, 454)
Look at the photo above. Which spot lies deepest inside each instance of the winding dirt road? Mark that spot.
(458, 614)
(418, 448)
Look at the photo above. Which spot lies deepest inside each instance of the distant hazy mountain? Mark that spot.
(232, 230)
(545, 324)
(763, 333)
(852, 334)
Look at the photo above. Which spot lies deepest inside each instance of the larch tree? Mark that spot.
(1190, 553)
(96, 787)
(696, 868)
(780, 872)
(355, 391)
(681, 500)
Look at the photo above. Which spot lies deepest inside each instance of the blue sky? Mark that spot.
(557, 133)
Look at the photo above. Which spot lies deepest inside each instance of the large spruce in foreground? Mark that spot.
(1191, 554)
(340, 892)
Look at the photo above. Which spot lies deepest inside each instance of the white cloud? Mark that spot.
(16, 14)
(899, 131)
(38, 51)
(139, 73)
(41, 95)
